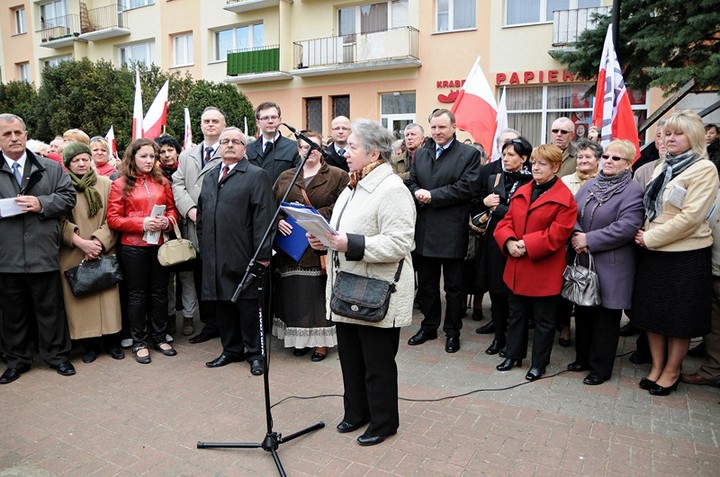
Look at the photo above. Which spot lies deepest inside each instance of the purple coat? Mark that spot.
(610, 240)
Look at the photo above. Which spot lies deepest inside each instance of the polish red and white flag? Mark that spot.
(156, 116)
(110, 138)
(137, 129)
(187, 139)
(475, 108)
(613, 113)
(502, 124)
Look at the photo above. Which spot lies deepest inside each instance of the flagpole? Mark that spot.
(616, 22)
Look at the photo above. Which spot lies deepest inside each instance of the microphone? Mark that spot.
(310, 142)
(292, 129)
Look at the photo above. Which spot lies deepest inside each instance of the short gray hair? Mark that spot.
(595, 147)
(374, 137)
(9, 117)
(415, 126)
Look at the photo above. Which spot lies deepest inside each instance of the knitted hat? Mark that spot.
(72, 149)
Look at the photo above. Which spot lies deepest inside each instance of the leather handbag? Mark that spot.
(479, 223)
(360, 297)
(92, 276)
(175, 251)
(581, 284)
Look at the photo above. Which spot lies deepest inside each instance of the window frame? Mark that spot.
(59, 14)
(125, 5)
(391, 20)
(252, 36)
(572, 5)
(189, 54)
(56, 60)
(149, 53)
(23, 71)
(20, 20)
(451, 17)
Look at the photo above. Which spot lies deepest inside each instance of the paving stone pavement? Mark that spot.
(120, 418)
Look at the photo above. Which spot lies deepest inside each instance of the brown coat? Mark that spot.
(98, 314)
(323, 191)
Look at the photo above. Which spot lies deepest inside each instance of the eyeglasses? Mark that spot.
(269, 118)
(614, 158)
(561, 131)
(236, 142)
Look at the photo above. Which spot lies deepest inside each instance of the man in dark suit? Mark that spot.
(335, 151)
(193, 165)
(235, 208)
(272, 151)
(443, 182)
(41, 194)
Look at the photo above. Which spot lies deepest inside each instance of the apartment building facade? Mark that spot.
(389, 60)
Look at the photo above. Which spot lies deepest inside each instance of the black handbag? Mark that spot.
(92, 276)
(360, 297)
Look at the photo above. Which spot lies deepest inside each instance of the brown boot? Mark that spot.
(188, 327)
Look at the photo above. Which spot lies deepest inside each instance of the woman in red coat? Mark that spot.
(141, 188)
(533, 234)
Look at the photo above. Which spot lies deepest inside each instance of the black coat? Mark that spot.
(441, 230)
(332, 158)
(282, 156)
(232, 218)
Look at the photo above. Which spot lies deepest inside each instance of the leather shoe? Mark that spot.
(345, 427)
(639, 358)
(169, 351)
(495, 347)
(508, 364)
(564, 342)
(697, 351)
(222, 360)
(628, 330)
(203, 337)
(420, 337)
(593, 380)
(65, 368)
(11, 374)
(486, 329)
(534, 373)
(452, 344)
(576, 367)
(89, 356)
(256, 367)
(646, 384)
(116, 352)
(300, 351)
(698, 380)
(366, 440)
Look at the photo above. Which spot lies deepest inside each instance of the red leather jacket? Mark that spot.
(126, 214)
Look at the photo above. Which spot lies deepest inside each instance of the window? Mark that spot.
(130, 4)
(19, 17)
(538, 11)
(56, 61)
(313, 113)
(397, 110)
(372, 17)
(455, 15)
(532, 110)
(340, 106)
(183, 49)
(23, 70)
(248, 36)
(138, 53)
(52, 14)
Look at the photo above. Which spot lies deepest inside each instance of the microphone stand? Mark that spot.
(255, 272)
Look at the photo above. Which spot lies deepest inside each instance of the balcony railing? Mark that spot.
(253, 60)
(568, 25)
(394, 44)
(66, 27)
(242, 6)
(105, 22)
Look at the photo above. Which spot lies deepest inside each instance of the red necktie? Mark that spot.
(225, 171)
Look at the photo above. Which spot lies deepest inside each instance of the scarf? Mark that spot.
(585, 177)
(603, 188)
(86, 184)
(672, 167)
(105, 169)
(540, 189)
(357, 176)
(515, 179)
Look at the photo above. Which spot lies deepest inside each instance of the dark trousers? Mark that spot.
(597, 331)
(31, 300)
(370, 377)
(147, 283)
(500, 312)
(564, 312)
(428, 270)
(543, 311)
(206, 308)
(239, 328)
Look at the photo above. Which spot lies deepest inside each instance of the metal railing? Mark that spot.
(385, 45)
(110, 16)
(253, 60)
(59, 27)
(568, 25)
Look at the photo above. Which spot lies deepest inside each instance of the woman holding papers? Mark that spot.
(375, 220)
(142, 207)
(300, 287)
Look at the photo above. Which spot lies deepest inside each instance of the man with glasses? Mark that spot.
(334, 153)
(561, 135)
(273, 152)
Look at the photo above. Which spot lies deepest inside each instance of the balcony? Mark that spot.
(390, 49)
(242, 6)
(568, 25)
(253, 65)
(103, 23)
(60, 32)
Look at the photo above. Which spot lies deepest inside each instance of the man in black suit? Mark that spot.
(235, 207)
(335, 151)
(272, 151)
(443, 182)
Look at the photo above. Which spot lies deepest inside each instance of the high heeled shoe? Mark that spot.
(534, 374)
(646, 384)
(508, 364)
(657, 390)
(495, 347)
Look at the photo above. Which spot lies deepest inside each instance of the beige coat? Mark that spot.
(98, 314)
(380, 209)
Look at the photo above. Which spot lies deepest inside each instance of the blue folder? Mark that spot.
(296, 243)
